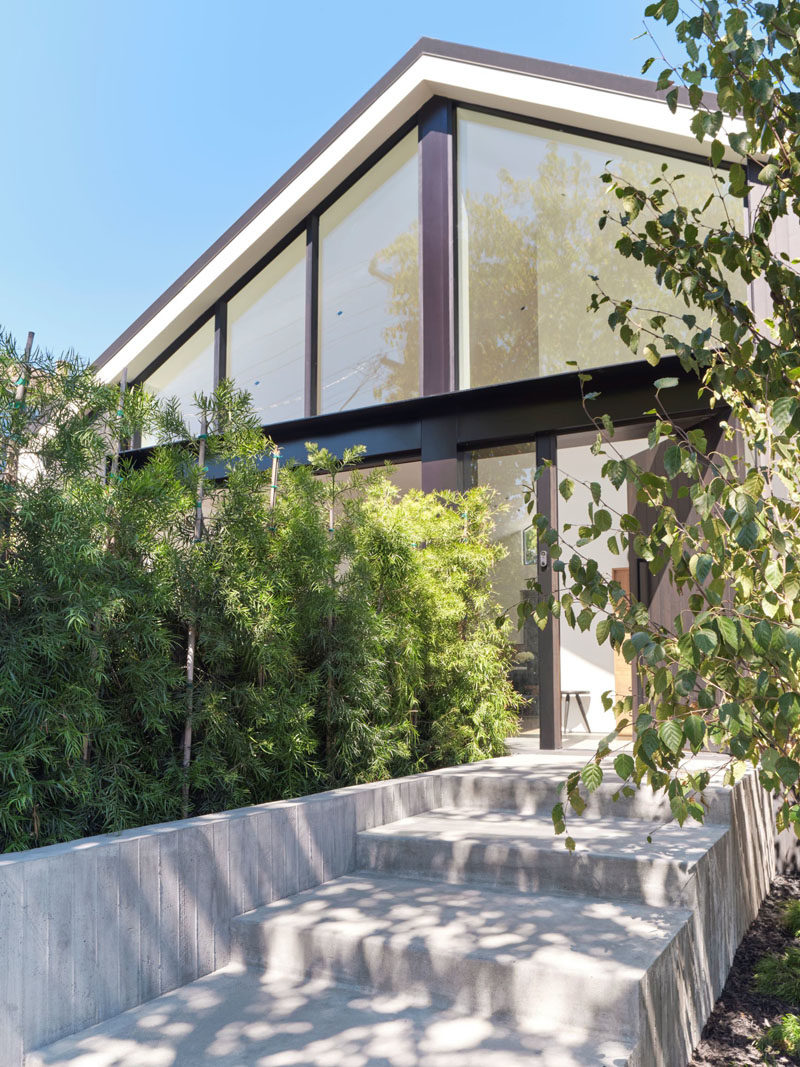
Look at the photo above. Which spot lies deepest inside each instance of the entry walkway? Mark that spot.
(467, 936)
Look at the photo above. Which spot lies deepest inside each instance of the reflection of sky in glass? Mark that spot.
(266, 336)
(354, 310)
(190, 370)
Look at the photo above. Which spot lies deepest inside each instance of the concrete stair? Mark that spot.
(612, 859)
(466, 935)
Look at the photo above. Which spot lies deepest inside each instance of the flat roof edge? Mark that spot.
(425, 46)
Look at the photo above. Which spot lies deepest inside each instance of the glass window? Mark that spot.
(369, 287)
(529, 202)
(509, 470)
(266, 336)
(188, 371)
(588, 669)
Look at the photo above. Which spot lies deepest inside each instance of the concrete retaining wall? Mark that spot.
(93, 927)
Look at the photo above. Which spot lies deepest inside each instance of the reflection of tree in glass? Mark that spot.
(397, 368)
(528, 249)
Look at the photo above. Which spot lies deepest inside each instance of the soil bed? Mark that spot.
(741, 1015)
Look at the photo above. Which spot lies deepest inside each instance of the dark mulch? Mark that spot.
(741, 1015)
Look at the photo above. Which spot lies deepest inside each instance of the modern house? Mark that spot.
(418, 282)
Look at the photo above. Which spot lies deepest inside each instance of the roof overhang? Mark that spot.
(610, 104)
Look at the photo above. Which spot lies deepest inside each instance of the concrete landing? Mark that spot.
(236, 1018)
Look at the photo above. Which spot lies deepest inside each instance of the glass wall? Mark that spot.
(266, 336)
(509, 471)
(529, 201)
(369, 287)
(188, 371)
(587, 669)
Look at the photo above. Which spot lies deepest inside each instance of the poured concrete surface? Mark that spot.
(471, 938)
(613, 857)
(235, 1018)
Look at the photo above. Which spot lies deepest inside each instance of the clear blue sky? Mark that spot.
(134, 133)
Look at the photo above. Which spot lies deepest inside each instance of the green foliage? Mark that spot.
(791, 917)
(779, 976)
(718, 508)
(343, 634)
(784, 1038)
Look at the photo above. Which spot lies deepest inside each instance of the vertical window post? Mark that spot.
(550, 638)
(220, 342)
(312, 318)
(439, 437)
(437, 318)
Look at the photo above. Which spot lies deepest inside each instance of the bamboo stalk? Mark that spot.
(273, 494)
(273, 489)
(191, 644)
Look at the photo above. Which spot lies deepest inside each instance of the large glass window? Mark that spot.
(369, 287)
(266, 336)
(588, 669)
(529, 201)
(509, 470)
(189, 370)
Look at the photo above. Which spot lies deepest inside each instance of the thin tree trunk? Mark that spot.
(329, 717)
(118, 443)
(273, 493)
(191, 644)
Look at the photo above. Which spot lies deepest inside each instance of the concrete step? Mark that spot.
(516, 785)
(531, 959)
(612, 859)
(238, 1018)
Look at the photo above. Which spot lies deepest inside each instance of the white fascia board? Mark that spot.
(588, 107)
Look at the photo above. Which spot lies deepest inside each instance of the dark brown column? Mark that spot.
(437, 342)
(550, 637)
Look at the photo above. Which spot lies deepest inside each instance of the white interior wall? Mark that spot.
(585, 665)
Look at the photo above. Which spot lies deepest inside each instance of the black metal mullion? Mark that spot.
(220, 342)
(312, 317)
(550, 726)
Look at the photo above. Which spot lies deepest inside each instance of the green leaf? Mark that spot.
(783, 411)
(624, 765)
(695, 728)
(762, 632)
(788, 770)
(729, 632)
(602, 520)
(666, 383)
(671, 734)
(559, 825)
(673, 458)
(747, 537)
(717, 152)
(679, 809)
(566, 488)
(705, 641)
(591, 776)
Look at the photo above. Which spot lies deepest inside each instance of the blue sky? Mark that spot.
(134, 133)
